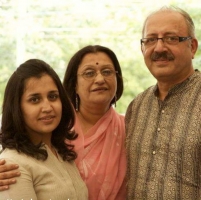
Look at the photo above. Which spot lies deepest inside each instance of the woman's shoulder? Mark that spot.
(13, 156)
(121, 116)
(9, 152)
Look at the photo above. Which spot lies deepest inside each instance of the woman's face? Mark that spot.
(97, 90)
(41, 108)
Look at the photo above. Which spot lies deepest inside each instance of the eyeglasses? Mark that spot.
(172, 40)
(91, 74)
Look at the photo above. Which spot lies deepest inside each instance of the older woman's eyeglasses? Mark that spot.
(91, 74)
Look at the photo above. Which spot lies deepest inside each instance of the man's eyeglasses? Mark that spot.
(91, 74)
(172, 40)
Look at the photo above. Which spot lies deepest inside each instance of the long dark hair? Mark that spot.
(13, 133)
(70, 78)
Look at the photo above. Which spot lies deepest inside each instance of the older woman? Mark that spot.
(93, 80)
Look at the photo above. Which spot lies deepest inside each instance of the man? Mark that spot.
(163, 123)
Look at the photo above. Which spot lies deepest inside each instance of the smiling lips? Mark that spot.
(99, 89)
(47, 118)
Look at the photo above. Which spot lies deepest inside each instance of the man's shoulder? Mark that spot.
(149, 91)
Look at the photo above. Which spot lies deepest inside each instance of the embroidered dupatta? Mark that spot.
(101, 157)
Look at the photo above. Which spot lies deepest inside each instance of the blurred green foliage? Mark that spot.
(54, 30)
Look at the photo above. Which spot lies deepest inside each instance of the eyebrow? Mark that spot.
(38, 94)
(107, 65)
(155, 34)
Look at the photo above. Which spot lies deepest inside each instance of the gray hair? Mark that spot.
(187, 18)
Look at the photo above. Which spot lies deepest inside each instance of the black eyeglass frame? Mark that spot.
(181, 39)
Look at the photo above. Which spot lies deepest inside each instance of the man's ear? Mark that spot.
(194, 46)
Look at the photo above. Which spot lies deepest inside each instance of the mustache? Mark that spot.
(164, 55)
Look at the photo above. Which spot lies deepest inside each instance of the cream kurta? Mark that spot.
(51, 179)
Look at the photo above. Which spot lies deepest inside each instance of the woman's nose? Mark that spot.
(46, 106)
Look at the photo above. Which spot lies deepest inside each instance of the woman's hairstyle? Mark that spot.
(70, 78)
(13, 132)
(187, 18)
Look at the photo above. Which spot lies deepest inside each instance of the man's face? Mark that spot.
(170, 63)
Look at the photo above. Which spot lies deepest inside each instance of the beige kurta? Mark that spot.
(52, 179)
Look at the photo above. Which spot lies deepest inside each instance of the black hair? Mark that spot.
(13, 133)
(70, 78)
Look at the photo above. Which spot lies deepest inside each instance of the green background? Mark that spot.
(54, 30)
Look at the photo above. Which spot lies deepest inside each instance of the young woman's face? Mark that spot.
(41, 107)
(99, 84)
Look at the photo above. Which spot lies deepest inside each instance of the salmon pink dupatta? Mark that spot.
(101, 157)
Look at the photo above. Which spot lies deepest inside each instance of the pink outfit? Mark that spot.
(101, 157)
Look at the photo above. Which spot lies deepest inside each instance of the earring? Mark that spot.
(115, 100)
(76, 103)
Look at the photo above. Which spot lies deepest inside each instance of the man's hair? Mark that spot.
(187, 18)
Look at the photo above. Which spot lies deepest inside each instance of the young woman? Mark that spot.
(37, 118)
